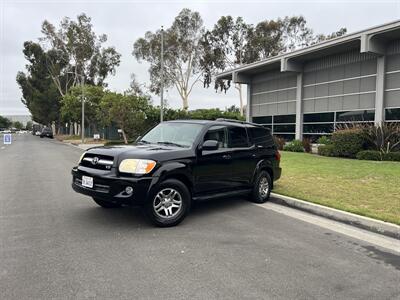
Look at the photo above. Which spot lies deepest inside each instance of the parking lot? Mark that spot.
(58, 244)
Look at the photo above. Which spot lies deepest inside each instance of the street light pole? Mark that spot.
(83, 109)
(162, 76)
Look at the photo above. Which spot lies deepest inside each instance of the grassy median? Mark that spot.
(367, 188)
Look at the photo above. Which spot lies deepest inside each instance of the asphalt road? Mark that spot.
(58, 244)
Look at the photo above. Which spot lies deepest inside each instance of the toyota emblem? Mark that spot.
(95, 160)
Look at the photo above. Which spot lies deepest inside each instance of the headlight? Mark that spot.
(80, 159)
(137, 166)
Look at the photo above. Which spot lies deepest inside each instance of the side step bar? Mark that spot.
(223, 195)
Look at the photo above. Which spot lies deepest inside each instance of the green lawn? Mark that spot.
(367, 188)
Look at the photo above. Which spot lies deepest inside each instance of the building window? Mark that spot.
(355, 116)
(322, 129)
(282, 125)
(318, 118)
(392, 114)
(287, 128)
(318, 124)
(285, 119)
(263, 120)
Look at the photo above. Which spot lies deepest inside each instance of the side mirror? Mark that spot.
(210, 145)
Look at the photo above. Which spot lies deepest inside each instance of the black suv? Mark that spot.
(178, 162)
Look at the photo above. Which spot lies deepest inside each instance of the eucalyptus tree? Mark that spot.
(182, 53)
(224, 48)
(76, 53)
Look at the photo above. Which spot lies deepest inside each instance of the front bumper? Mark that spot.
(108, 186)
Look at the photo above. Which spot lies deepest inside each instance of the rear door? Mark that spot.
(242, 160)
(263, 145)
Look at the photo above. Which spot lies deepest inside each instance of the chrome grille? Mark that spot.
(94, 161)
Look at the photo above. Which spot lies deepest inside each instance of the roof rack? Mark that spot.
(237, 121)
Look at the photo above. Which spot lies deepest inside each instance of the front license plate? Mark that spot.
(87, 181)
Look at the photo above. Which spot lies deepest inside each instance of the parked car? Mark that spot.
(178, 162)
(46, 132)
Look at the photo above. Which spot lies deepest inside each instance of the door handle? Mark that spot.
(226, 156)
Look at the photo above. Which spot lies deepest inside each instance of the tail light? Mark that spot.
(277, 156)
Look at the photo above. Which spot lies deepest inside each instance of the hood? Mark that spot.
(150, 151)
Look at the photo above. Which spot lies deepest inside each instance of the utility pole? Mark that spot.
(162, 76)
(83, 108)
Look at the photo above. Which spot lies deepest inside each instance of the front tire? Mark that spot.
(106, 204)
(169, 203)
(262, 187)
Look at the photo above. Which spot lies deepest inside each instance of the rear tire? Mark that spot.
(106, 204)
(169, 204)
(262, 187)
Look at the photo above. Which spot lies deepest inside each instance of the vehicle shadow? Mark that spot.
(135, 218)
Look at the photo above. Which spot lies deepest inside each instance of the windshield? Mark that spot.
(177, 134)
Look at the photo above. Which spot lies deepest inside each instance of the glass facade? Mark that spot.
(319, 124)
(392, 114)
(282, 125)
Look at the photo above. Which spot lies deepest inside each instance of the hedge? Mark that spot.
(377, 155)
(326, 150)
(392, 156)
(369, 155)
(294, 146)
(347, 142)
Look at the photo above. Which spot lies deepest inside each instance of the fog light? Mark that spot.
(129, 190)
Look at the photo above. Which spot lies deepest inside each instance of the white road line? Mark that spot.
(354, 232)
(3, 148)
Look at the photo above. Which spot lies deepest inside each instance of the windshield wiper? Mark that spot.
(144, 142)
(171, 144)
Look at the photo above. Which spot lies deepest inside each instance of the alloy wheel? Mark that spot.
(167, 203)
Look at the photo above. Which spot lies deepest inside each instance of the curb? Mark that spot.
(377, 226)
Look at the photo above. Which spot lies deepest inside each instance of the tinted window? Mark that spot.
(393, 114)
(262, 120)
(260, 136)
(219, 134)
(285, 119)
(237, 137)
(358, 115)
(317, 118)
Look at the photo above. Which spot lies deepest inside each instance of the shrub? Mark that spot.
(384, 138)
(294, 146)
(307, 145)
(369, 155)
(392, 156)
(348, 142)
(326, 150)
(279, 142)
(324, 140)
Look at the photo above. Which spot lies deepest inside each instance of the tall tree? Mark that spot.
(182, 54)
(224, 47)
(76, 52)
(39, 93)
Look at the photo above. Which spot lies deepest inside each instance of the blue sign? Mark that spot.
(7, 139)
